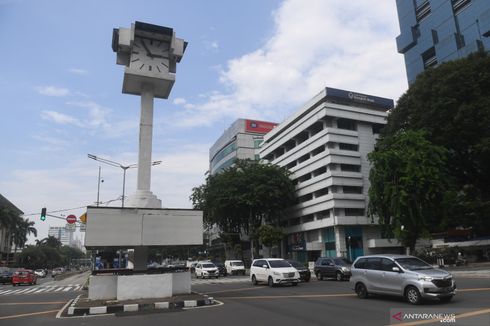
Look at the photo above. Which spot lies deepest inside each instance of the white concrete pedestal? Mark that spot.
(133, 287)
(143, 199)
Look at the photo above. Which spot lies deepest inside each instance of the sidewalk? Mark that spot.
(478, 270)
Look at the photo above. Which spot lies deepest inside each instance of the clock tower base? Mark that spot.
(143, 199)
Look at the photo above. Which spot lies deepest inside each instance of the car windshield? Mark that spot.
(208, 265)
(236, 263)
(279, 263)
(413, 264)
(342, 262)
(296, 264)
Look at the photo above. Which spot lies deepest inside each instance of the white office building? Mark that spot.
(325, 146)
(60, 233)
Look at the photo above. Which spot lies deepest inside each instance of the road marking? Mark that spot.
(30, 314)
(22, 291)
(31, 290)
(8, 291)
(232, 290)
(293, 296)
(473, 289)
(59, 289)
(30, 303)
(462, 315)
(67, 289)
(40, 290)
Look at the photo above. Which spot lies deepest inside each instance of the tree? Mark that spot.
(50, 241)
(270, 235)
(410, 186)
(244, 196)
(452, 104)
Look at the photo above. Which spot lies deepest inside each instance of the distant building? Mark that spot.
(325, 146)
(435, 31)
(240, 141)
(5, 236)
(60, 233)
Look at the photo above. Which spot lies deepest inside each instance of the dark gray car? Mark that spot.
(339, 268)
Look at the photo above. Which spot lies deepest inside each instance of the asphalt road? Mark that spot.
(315, 303)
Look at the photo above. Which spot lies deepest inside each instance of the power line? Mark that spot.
(70, 209)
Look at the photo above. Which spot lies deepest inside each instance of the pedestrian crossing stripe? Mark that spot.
(222, 280)
(42, 289)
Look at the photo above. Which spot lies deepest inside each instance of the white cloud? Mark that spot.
(179, 101)
(214, 45)
(60, 118)
(97, 113)
(348, 45)
(78, 71)
(53, 91)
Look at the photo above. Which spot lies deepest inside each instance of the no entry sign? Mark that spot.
(71, 219)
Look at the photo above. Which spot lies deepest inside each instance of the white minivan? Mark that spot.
(235, 267)
(273, 271)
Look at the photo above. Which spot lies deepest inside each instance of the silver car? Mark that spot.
(401, 275)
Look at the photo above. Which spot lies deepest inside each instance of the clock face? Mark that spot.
(149, 55)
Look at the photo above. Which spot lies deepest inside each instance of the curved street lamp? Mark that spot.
(119, 165)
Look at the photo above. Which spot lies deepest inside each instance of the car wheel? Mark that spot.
(202, 276)
(254, 280)
(338, 276)
(319, 276)
(412, 295)
(270, 281)
(197, 276)
(361, 291)
(446, 299)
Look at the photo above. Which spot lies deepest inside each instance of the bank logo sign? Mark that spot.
(349, 97)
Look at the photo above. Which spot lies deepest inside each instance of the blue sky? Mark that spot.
(60, 88)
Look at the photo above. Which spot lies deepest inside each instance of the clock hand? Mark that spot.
(146, 48)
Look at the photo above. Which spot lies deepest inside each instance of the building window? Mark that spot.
(257, 157)
(224, 152)
(352, 190)
(422, 10)
(303, 158)
(377, 127)
(257, 143)
(304, 198)
(348, 147)
(346, 124)
(321, 192)
(459, 5)
(350, 168)
(291, 165)
(318, 150)
(353, 212)
(323, 214)
(308, 218)
(460, 43)
(304, 177)
(429, 58)
(319, 171)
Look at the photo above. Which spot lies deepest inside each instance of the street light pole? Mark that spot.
(98, 188)
(119, 165)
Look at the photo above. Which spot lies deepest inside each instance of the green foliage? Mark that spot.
(410, 186)
(16, 227)
(452, 104)
(270, 235)
(245, 195)
(47, 256)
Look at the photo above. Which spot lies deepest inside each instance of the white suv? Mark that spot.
(273, 271)
(206, 269)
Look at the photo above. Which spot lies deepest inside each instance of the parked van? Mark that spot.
(235, 267)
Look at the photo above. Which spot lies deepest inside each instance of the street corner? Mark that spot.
(81, 306)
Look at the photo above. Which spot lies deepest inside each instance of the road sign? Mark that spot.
(71, 219)
(70, 227)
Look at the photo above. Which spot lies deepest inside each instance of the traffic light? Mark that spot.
(43, 214)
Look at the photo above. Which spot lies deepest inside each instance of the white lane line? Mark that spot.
(4, 291)
(59, 289)
(40, 290)
(77, 288)
(67, 289)
(31, 290)
(21, 291)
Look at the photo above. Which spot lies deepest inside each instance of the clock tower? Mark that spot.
(150, 54)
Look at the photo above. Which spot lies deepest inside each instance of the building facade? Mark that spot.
(435, 31)
(325, 146)
(5, 235)
(240, 141)
(60, 233)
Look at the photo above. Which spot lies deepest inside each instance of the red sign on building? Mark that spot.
(261, 127)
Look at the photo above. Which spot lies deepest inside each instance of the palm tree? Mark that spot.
(8, 222)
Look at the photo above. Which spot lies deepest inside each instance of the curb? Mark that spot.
(84, 311)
